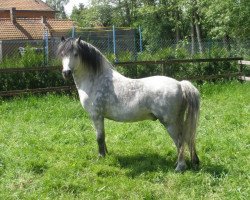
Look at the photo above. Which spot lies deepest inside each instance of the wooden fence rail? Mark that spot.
(28, 69)
(198, 60)
(242, 63)
(37, 90)
(70, 88)
(178, 61)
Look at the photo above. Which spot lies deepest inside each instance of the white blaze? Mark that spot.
(65, 62)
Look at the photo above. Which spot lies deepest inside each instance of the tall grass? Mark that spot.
(30, 58)
(48, 151)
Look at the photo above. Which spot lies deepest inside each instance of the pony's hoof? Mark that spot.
(195, 167)
(181, 168)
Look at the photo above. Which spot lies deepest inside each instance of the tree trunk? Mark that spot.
(127, 13)
(198, 31)
(196, 20)
(192, 37)
(177, 28)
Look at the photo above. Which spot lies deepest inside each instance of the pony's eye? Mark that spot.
(75, 54)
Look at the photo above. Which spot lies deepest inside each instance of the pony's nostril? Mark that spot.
(66, 73)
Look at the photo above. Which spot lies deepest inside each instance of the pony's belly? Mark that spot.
(129, 116)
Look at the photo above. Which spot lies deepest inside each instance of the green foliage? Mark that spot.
(227, 18)
(161, 20)
(31, 58)
(58, 5)
(178, 70)
(48, 151)
(31, 80)
(126, 55)
(14, 61)
(151, 30)
(99, 15)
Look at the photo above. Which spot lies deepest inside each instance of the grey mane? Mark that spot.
(89, 55)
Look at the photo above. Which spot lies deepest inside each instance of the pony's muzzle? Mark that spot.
(66, 74)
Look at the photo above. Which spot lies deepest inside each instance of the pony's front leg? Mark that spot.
(100, 135)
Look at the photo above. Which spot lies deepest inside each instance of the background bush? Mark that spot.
(32, 80)
(179, 70)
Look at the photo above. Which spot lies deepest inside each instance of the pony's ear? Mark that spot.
(62, 39)
(79, 40)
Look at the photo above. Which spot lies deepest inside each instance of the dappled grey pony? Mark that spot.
(105, 93)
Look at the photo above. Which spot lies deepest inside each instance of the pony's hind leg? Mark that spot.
(193, 154)
(190, 140)
(100, 136)
(176, 135)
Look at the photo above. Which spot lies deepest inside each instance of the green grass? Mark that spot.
(48, 151)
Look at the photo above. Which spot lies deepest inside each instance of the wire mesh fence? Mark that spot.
(119, 45)
(27, 53)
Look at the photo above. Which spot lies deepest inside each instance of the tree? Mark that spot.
(98, 15)
(227, 18)
(197, 22)
(58, 5)
(123, 12)
(169, 19)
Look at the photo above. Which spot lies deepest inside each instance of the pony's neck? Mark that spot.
(84, 77)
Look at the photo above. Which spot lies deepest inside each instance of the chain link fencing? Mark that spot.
(119, 45)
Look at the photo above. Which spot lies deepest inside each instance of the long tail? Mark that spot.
(191, 98)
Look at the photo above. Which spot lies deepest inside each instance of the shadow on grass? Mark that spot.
(217, 171)
(141, 163)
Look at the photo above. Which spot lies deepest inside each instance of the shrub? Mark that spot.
(32, 80)
(31, 58)
(180, 70)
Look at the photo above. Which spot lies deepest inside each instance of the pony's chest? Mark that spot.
(84, 99)
(92, 103)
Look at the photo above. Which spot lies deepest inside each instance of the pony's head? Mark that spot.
(77, 54)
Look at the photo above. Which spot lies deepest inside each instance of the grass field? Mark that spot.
(48, 151)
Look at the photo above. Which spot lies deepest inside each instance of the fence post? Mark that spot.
(140, 36)
(73, 32)
(114, 43)
(134, 49)
(108, 43)
(46, 47)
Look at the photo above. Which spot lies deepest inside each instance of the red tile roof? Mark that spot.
(59, 27)
(33, 28)
(9, 31)
(28, 28)
(37, 5)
